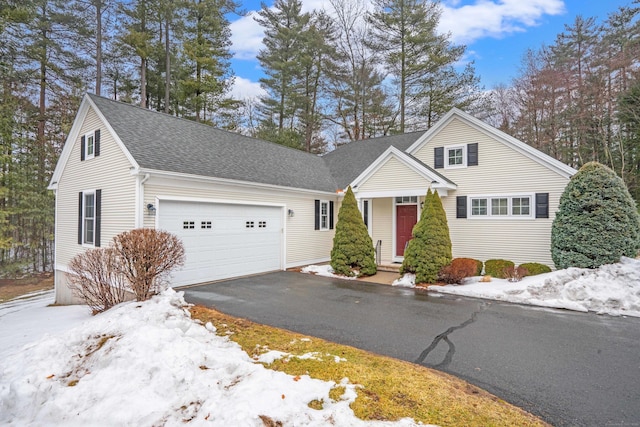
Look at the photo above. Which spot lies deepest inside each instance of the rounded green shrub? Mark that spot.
(497, 267)
(458, 270)
(597, 221)
(535, 268)
(353, 251)
(430, 246)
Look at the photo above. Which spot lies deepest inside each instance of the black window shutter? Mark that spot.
(96, 140)
(438, 157)
(80, 210)
(82, 149)
(317, 212)
(542, 205)
(461, 206)
(365, 214)
(96, 236)
(330, 215)
(472, 154)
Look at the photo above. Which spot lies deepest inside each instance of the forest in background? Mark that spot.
(331, 77)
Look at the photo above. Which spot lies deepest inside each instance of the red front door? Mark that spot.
(406, 218)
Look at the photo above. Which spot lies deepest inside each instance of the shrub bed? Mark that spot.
(496, 267)
(535, 268)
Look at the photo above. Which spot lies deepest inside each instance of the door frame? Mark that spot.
(394, 231)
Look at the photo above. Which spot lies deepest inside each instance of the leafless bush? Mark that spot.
(514, 274)
(95, 278)
(146, 257)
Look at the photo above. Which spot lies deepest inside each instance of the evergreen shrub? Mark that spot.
(534, 268)
(353, 252)
(597, 220)
(458, 270)
(430, 246)
(496, 267)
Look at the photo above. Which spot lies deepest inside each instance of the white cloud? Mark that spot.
(246, 37)
(466, 22)
(246, 89)
(497, 19)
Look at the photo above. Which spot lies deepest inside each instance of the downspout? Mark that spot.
(140, 201)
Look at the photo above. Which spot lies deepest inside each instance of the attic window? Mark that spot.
(456, 157)
(90, 147)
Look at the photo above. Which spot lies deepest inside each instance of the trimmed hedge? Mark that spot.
(496, 267)
(458, 270)
(535, 268)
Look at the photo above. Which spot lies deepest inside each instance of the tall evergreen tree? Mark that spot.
(353, 252)
(597, 221)
(430, 246)
(404, 33)
(206, 56)
(285, 33)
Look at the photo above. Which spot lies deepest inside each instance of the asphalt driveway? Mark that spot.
(571, 369)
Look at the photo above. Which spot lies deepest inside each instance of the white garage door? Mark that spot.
(223, 240)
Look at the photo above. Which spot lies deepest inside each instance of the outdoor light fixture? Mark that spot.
(151, 209)
(291, 213)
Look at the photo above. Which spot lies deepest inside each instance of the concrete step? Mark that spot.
(393, 267)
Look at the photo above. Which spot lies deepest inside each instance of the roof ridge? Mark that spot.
(192, 122)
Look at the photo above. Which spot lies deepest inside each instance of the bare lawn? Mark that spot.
(12, 288)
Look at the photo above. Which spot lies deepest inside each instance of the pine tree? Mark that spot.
(430, 246)
(352, 245)
(597, 221)
(420, 59)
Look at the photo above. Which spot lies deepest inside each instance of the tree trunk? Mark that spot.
(98, 47)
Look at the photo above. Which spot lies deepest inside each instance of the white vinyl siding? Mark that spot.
(501, 170)
(381, 225)
(302, 245)
(109, 172)
(394, 175)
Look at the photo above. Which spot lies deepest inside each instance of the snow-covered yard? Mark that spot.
(612, 289)
(145, 364)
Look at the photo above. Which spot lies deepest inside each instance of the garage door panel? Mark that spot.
(223, 240)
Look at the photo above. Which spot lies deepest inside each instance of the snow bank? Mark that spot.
(151, 364)
(611, 289)
(324, 270)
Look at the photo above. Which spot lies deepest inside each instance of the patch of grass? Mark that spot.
(389, 389)
(13, 288)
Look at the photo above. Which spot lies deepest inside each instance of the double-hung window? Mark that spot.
(324, 215)
(89, 217)
(90, 147)
(521, 206)
(455, 156)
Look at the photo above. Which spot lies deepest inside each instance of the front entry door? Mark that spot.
(406, 218)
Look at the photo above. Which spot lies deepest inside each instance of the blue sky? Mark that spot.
(496, 33)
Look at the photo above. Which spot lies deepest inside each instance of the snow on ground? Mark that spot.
(324, 270)
(611, 289)
(27, 319)
(145, 364)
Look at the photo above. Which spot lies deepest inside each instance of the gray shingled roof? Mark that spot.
(350, 160)
(163, 142)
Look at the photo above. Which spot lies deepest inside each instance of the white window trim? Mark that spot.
(509, 197)
(84, 194)
(88, 156)
(447, 148)
(327, 215)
